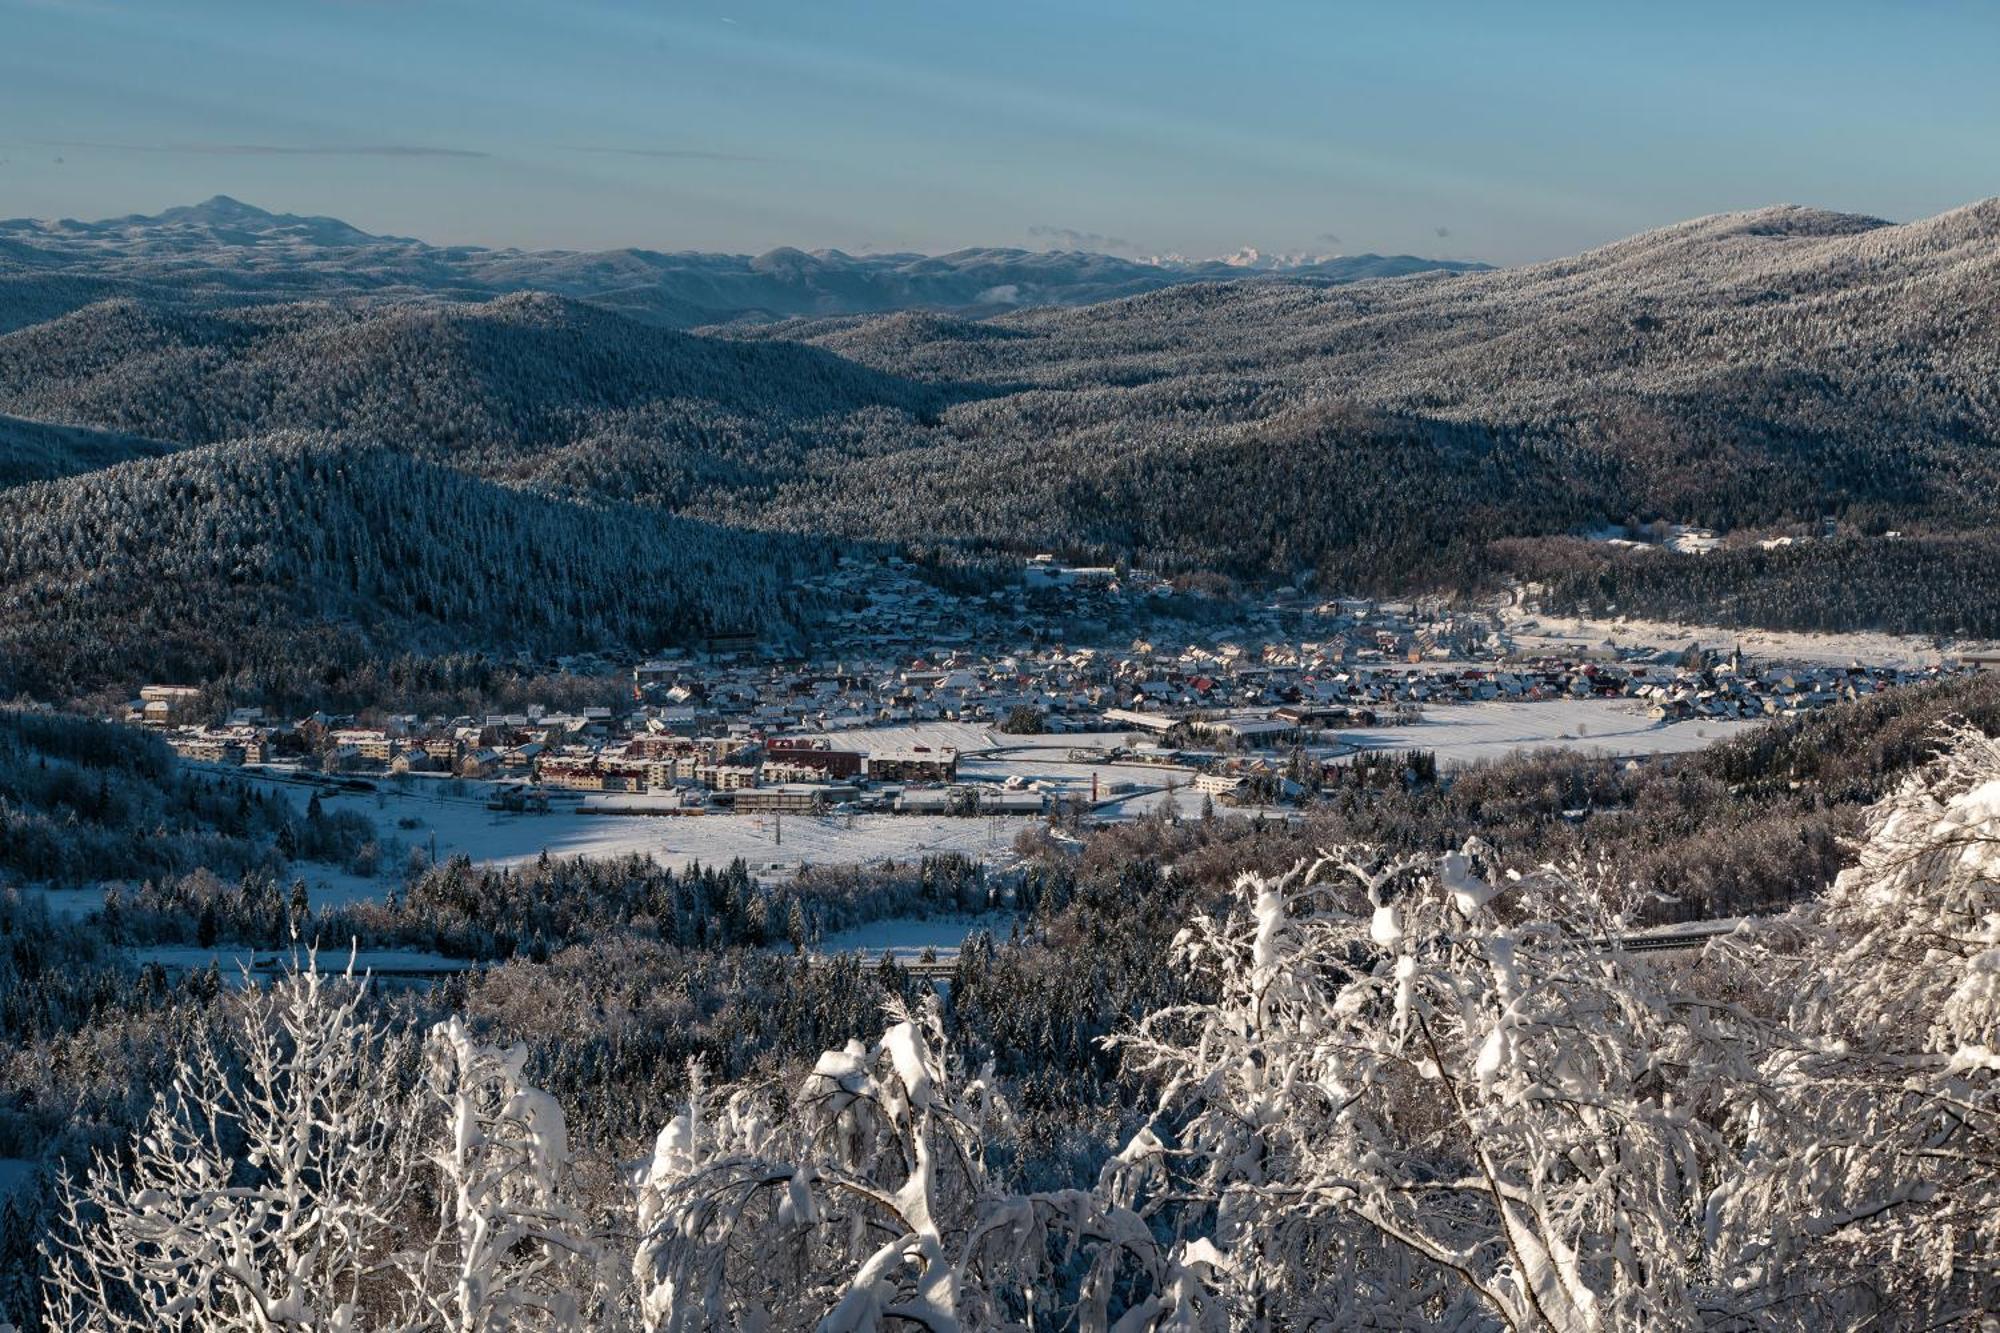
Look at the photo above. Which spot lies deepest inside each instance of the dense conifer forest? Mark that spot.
(1779, 373)
(292, 557)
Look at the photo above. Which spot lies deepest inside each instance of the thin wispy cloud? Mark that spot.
(273, 149)
(674, 154)
(1072, 239)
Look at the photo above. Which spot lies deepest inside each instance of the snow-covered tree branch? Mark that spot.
(1872, 1181)
(271, 1187)
(302, 1175)
(866, 1201)
(1426, 1092)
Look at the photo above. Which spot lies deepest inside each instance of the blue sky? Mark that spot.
(1500, 132)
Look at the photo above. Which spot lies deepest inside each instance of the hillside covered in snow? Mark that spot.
(225, 251)
(1816, 389)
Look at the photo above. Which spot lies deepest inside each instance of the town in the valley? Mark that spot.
(917, 708)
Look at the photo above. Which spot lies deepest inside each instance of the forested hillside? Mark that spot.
(1746, 370)
(518, 373)
(39, 451)
(1751, 369)
(223, 250)
(294, 556)
(1765, 373)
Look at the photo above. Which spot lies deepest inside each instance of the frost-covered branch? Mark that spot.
(1412, 1099)
(865, 1200)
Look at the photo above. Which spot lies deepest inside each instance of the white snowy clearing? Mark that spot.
(14, 1173)
(767, 842)
(1562, 635)
(1185, 803)
(906, 937)
(771, 845)
(1054, 772)
(964, 737)
(1473, 733)
(232, 959)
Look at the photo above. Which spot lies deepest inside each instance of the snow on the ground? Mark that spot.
(1562, 634)
(1702, 928)
(330, 886)
(70, 904)
(1056, 771)
(1187, 804)
(454, 818)
(326, 886)
(965, 737)
(1476, 732)
(767, 842)
(906, 937)
(1061, 742)
(232, 959)
(770, 844)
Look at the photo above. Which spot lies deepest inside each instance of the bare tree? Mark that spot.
(867, 1201)
(1415, 1104)
(300, 1175)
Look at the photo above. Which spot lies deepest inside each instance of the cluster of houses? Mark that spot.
(1243, 695)
(737, 726)
(588, 751)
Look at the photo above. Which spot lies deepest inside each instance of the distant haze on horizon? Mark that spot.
(1447, 130)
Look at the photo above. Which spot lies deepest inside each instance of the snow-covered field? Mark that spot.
(69, 904)
(764, 841)
(1187, 805)
(769, 844)
(905, 937)
(1053, 771)
(1564, 635)
(232, 961)
(1472, 733)
(14, 1173)
(965, 737)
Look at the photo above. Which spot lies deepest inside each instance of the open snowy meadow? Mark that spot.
(452, 818)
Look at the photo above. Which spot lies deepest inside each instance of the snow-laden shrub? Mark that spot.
(317, 1171)
(1869, 1178)
(304, 1175)
(1429, 1094)
(865, 1202)
(1427, 1098)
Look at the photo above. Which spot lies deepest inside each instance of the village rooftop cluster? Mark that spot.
(732, 727)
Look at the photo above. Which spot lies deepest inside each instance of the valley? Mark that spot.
(657, 668)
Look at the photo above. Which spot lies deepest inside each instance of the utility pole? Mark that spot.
(778, 828)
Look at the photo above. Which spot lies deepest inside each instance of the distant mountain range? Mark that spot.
(225, 250)
(1757, 373)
